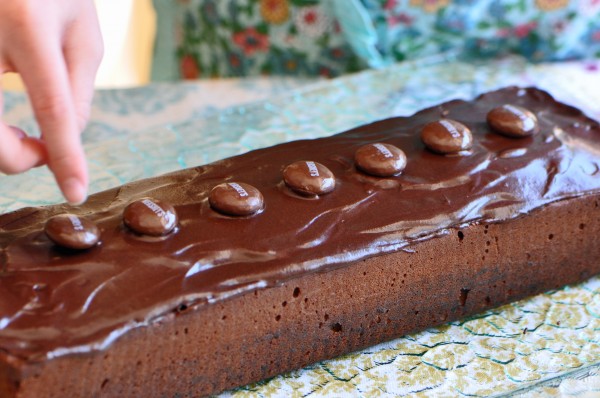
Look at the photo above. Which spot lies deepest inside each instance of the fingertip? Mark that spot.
(36, 142)
(18, 132)
(18, 151)
(74, 190)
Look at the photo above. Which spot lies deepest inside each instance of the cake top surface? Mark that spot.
(55, 301)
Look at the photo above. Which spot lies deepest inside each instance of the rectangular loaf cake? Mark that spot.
(223, 300)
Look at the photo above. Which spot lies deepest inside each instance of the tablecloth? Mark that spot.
(547, 345)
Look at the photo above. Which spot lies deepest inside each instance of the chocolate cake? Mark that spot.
(208, 278)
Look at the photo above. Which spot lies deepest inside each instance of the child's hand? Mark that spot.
(56, 47)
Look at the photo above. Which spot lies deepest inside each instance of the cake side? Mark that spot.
(322, 315)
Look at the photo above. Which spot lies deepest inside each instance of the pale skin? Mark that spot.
(56, 47)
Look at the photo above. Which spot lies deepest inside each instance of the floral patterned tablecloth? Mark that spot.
(548, 345)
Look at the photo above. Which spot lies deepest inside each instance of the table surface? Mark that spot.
(547, 345)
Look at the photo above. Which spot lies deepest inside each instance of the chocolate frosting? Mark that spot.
(54, 302)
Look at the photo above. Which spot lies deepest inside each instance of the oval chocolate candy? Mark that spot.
(379, 159)
(513, 121)
(309, 178)
(447, 136)
(72, 232)
(236, 199)
(150, 217)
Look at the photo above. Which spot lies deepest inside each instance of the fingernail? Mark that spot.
(18, 132)
(74, 191)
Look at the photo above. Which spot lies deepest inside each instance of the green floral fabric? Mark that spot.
(540, 30)
(223, 38)
(250, 37)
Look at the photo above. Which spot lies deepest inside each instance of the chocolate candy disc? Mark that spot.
(236, 199)
(513, 121)
(447, 136)
(382, 160)
(309, 178)
(150, 217)
(72, 232)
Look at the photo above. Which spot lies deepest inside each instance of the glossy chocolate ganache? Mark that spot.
(55, 301)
